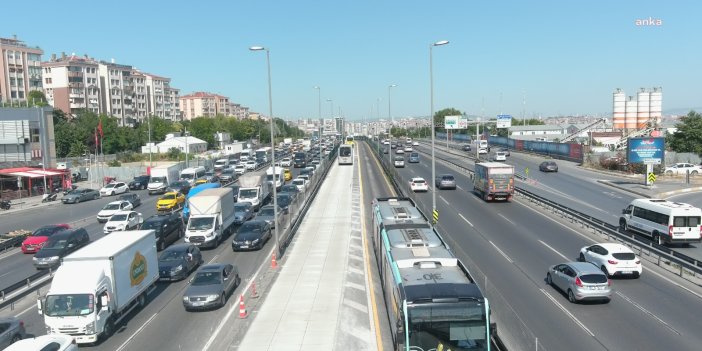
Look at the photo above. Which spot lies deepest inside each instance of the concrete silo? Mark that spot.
(643, 115)
(630, 113)
(619, 109)
(656, 104)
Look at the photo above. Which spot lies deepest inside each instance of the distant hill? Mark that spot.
(682, 111)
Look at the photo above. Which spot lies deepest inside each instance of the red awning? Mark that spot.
(31, 172)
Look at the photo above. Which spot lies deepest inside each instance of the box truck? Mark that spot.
(254, 188)
(161, 176)
(211, 217)
(494, 181)
(96, 286)
(278, 179)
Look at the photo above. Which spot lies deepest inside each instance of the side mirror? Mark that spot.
(104, 301)
(40, 305)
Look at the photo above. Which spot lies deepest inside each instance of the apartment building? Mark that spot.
(71, 83)
(204, 104)
(20, 70)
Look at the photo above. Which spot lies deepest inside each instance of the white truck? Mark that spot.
(279, 176)
(254, 188)
(287, 141)
(307, 145)
(246, 154)
(161, 176)
(211, 217)
(96, 286)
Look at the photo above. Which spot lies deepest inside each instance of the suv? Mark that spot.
(414, 157)
(168, 228)
(139, 182)
(60, 245)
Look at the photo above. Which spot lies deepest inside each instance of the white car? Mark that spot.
(408, 148)
(300, 183)
(286, 162)
(482, 151)
(123, 220)
(399, 151)
(240, 169)
(306, 177)
(683, 168)
(57, 342)
(114, 188)
(112, 208)
(418, 184)
(612, 259)
(500, 156)
(250, 165)
(399, 162)
(415, 143)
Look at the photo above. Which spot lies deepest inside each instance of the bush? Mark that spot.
(114, 163)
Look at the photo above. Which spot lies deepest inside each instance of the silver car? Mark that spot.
(211, 286)
(11, 331)
(445, 181)
(580, 281)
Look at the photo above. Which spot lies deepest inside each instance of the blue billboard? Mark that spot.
(646, 150)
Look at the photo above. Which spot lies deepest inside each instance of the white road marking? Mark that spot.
(578, 322)
(213, 259)
(674, 283)
(124, 344)
(459, 187)
(501, 253)
(647, 312)
(33, 306)
(442, 198)
(464, 218)
(506, 219)
(12, 253)
(554, 250)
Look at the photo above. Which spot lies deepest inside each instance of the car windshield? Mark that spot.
(168, 197)
(111, 207)
(69, 305)
(248, 193)
(241, 207)
(447, 177)
(75, 192)
(418, 181)
(151, 225)
(250, 227)
(171, 255)
(624, 256)
(268, 211)
(109, 186)
(118, 218)
(457, 326)
(187, 176)
(284, 200)
(288, 189)
(207, 278)
(201, 223)
(158, 179)
(46, 231)
(55, 244)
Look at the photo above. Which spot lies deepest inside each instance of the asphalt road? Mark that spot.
(509, 246)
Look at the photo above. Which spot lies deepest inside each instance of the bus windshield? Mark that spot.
(344, 152)
(460, 326)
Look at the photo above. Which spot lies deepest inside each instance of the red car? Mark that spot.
(34, 242)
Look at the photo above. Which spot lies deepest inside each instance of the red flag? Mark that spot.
(96, 141)
(99, 128)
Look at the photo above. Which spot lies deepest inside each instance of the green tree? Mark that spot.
(36, 98)
(688, 137)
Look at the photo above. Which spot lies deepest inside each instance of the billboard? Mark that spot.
(645, 150)
(455, 122)
(504, 121)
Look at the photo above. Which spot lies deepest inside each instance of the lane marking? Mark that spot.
(464, 218)
(506, 219)
(213, 258)
(442, 198)
(33, 306)
(501, 253)
(124, 344)
(648, 312)
(558, 304)
(459, 187)
(554, 250)
(674, 283)
(12, 253)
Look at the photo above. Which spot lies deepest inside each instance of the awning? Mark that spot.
(30, 172)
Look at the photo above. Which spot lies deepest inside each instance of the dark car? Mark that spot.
(289, 188)
(211, 286)
(505, 150)
(139, 182)
(168, 228)
(243, 211)
(133, 199)
(445, 181)
(300, 160)
(11, 331)
(58, 246)
(227, 175)
(182, 186)
(80, 195)
(252, 235)
(285, 200)
(177, 261)
(465, 147)
(548, 166)
(267, 214)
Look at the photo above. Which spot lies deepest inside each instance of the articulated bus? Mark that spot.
(349, 140)
(345, 155)
(433, 303)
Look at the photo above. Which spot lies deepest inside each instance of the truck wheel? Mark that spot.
(108, 329)
(141, 300)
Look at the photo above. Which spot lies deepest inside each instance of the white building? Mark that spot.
(193, 144)
(538, 132)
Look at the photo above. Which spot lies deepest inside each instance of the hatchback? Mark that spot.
(445, 181)
(399, 162)
(36, 240)
(177, 261)
(580, 281)
(133, 198)
(114, 189)
(60, 245)
(613, 259)
(548, 166)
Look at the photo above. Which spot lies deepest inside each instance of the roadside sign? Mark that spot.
(451, 122)
(504, 121)
(526, 171)
(436, 216)
(651, 177)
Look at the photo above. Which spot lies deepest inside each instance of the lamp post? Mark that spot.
(321, 123)
(270, 113)
(391, 121)
(431, 118)
(187, 162)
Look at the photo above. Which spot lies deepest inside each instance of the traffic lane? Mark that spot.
(526, 243)
(692, 198)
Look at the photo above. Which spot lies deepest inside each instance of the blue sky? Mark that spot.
(566, 57)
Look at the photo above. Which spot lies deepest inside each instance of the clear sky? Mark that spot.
(566, 57)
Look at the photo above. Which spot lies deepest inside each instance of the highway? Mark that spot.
(509, 246)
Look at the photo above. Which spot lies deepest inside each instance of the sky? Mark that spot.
(537, 58)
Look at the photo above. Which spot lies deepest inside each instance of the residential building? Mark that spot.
(71, 83)
(27, 137)
(204, 104)
(20, 70)
(117, 91)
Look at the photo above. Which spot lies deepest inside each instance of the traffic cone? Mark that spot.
(242, 308)
(274, 263)
(254, 293)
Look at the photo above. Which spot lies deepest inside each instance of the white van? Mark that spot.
(664, 221)
(221, 164)
(192, 174)
(52, 342)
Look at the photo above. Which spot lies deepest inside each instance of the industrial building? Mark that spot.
(635, 112)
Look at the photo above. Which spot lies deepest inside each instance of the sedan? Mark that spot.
(408, 148)
(286, 162)
(211, 286)
(500, 156)
(613, 259)
(181, 186)
(415, 143)
(267, 214)
(114, 188)
(112, 208)
(253, 235)
(80, 195)
(35, 241)
(285, 200)
(418, 184)
(178, 261)
(133, 199)
(505, 150)
(11, 331)
(445, 181)
(682, 168)
(399, 162)
(123, 220)
(240, 169)
(170, 201)
(287, 174)
(548, 166)
(580, 281)
(243, 211)
(466, 147)
(250, 165)
(399, 151)
(289, 188)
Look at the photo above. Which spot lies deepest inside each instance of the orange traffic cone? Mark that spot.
(242, 308)
(274, 263)
(254, 293)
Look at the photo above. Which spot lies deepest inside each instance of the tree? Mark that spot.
(36, 98)
(440, 116)
(688, 137)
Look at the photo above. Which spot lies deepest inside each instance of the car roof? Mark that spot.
(585, 267)
(123, 212)
(614, 247)
(178, 247)
(418, 178)
(212, 267)
(63, 234)
(117, 202)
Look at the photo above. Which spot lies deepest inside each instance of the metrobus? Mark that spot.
(433, 302)
(664, 221)
(349, 140)
(345, 155)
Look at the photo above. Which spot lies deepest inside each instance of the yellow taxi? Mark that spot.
(287, 174)
(170, 201)
(200, 181)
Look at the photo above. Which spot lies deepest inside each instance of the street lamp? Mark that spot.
(391, 121)
(433, 125)
(270, 113)
(321, 123)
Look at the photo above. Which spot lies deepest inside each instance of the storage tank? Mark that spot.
(656, 104)
(630, 114)
(618, 109)
(642, 115)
